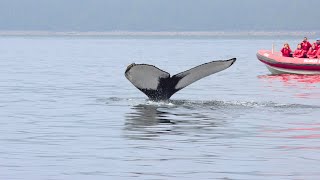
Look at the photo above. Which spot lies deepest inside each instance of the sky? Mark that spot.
(159, 15)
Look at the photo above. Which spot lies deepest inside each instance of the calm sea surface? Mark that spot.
(68, 112)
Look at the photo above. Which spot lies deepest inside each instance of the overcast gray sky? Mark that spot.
(159, 15)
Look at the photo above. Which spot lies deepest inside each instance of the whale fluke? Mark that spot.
(158, 85)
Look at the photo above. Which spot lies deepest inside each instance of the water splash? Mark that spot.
(207, 104)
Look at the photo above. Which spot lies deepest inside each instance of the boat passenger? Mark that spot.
(305, 44)
(299, 53)
(318, 53)
(312, 53)
(317, 44)
(286, 51)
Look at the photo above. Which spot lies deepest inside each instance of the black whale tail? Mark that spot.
(158, 85)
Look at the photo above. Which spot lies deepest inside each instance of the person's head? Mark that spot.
(299, 46)
(318, 41)
(305, 39)
(286, 45)
(313, 46)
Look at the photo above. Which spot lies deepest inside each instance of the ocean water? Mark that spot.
(68, 112)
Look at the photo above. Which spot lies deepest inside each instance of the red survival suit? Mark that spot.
(299, 53)
(317, 45)
(312, 53)
(286, 52)
(305, 45)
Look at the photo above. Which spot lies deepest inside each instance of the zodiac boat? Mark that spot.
(277, 64)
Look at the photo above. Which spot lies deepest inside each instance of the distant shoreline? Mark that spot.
(161, 33)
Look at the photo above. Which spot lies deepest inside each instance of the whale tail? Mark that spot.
(158, 85)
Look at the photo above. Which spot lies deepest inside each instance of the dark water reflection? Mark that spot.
(147, 120)
(182, 118)
(147, 115)
(142, 118)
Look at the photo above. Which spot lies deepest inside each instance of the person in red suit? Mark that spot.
(286, 51)
(317, 44)
(312, 53)
(318, 54)
(299, 53)
(305, 44)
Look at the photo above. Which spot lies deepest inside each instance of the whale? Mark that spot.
(158, 85)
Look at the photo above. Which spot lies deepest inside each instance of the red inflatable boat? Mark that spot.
(277, 64)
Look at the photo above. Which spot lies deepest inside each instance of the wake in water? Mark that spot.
(210, 104)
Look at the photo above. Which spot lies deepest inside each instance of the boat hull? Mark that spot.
(275, 70)
(277, 64)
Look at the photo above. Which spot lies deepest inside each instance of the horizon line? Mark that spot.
(156, 33)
